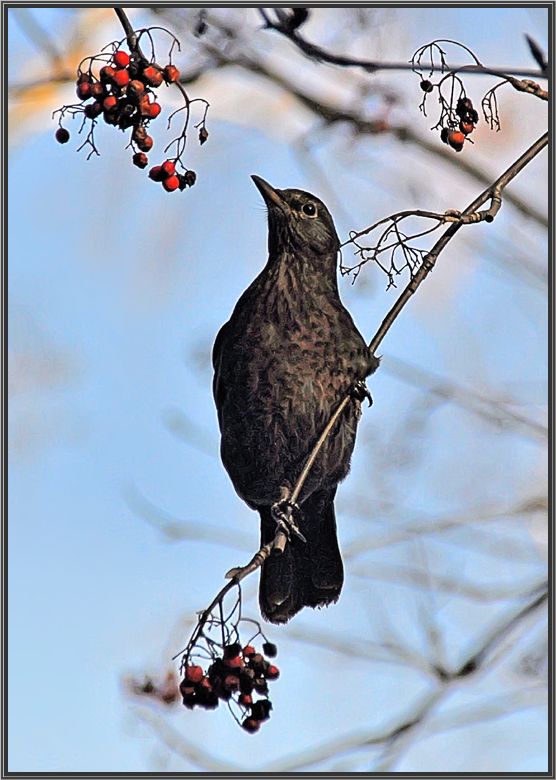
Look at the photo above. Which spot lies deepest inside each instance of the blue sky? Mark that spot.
(117, 290)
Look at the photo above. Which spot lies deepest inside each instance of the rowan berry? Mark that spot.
(84, 90)
(272, 672)
(270, 650)
(107, 74)
(109, 102)
(97, 90)
(62, 135)
(466, 127)
(203, 135)
(153, 110)
(246, 699)
(140, 159)
(93, 110)
(171, 74)
(155, 173)
(121, 78)
(456, 139)
(152, 76)
(146, 144)
(193, 673)
(251, 725)
(168, 168)
(135, 88)
(426, 86)
(121, 59)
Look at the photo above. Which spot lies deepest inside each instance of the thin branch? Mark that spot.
(430, 261)
(319, 54)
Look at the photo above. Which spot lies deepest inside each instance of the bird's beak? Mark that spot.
(271, 197)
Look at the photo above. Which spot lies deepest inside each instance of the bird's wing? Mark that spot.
(218, 384)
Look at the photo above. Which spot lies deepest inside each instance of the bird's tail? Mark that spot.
(307, 574)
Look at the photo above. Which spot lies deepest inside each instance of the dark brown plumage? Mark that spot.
(288, 355)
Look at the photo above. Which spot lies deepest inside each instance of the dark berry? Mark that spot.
(260, 710)
(135, 88)
(107, 74)
(155, 173)
(93, 110)
(84, 90)
(426, 86)
(203, 135)
(270, 650)
(251, 725)
(62, 135)
(140, 159)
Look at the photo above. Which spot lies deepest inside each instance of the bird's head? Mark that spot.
(297, 220)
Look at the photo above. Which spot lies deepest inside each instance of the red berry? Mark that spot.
(194, 674)
(84, 78)
(248, 650)
(140, 159)
(168, 168)
(171, 74)
(251, 725)
(109, 102)
(272, 672)
(121, 59)
(97, 90)
(155, 173)
(153, 111)
(84, 90)
(456, 139)
(107, 74)
(152, 76)
(146, 144)
(93, 110)
(62, 135)
(121, 78)
(246, 699)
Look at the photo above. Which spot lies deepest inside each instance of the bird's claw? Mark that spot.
(283, 513)
(359, 391)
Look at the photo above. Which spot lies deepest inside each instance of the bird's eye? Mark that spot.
(309, 209)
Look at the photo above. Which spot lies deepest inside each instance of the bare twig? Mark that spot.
(319, 54)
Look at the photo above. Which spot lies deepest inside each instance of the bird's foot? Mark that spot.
(284, 512)
(359, 391)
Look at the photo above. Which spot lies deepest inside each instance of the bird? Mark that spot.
(285, 359)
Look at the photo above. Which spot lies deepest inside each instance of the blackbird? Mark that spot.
(288, 355)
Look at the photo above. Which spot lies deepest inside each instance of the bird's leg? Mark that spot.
(359, 391)
(284, 512)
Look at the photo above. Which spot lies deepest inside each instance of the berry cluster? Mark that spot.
(166, 173)
(239, 675)
(456, 134)
(120, 87)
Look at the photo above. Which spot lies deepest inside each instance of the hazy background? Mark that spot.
(117, 290)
